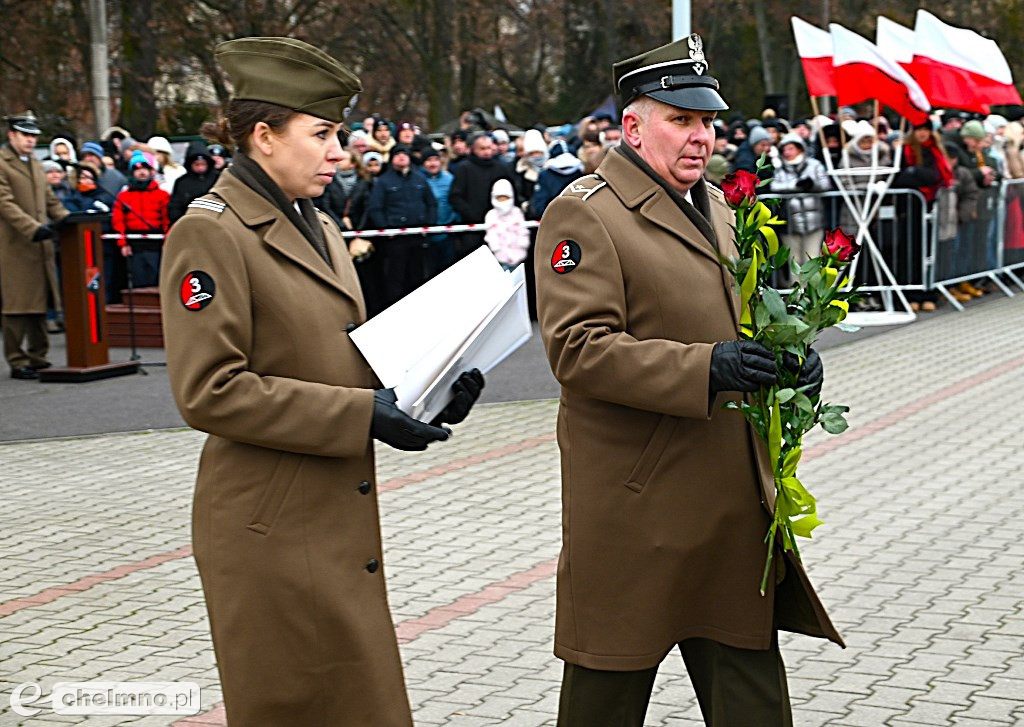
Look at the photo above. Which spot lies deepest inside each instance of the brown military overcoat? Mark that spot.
(666, 497)
(28, 272)
(284, 524)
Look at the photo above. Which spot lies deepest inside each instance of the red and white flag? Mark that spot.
(863, 73)
(814, 46)
(895, 41)
(960, 68)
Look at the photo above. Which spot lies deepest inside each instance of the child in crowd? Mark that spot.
(141, 207)
(507, 235)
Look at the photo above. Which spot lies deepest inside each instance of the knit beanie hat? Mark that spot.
(757, 135)
(973, 129)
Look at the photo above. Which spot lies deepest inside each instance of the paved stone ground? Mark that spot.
(921, 560)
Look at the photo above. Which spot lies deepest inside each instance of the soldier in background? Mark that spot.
(29, 212)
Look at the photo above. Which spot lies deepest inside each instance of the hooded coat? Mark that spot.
(191, 186)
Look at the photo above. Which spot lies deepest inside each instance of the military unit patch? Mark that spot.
(566, 257)
(197, 290)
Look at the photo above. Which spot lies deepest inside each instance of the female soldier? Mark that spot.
(259, 296)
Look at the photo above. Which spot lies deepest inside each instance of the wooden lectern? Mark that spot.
(85, 324)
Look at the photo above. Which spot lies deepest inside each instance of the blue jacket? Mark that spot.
(401, 200)
(440, 185)
(549, 185)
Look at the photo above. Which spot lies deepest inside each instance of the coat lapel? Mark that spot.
(634, 187)
(664, 212)
(281, 235)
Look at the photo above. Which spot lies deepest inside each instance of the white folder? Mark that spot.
(472, 315)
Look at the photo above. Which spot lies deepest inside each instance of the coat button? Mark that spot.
(372, 565)
(364, 488)
(351, 327)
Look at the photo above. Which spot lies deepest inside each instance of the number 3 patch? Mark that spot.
(566, 256)
(197, 290)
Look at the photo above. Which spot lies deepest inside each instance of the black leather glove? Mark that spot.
(812, 373)
(805, 184)
(45, 232)
(741, 366)
(393, 426)
(467, 390)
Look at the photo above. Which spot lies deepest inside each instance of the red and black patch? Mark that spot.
(566, 257)
(197, 290)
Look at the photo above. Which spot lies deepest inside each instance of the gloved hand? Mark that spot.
(812, 373)
(45, 232)
(805, 184)
(741, 366)
(467, 390)
(393, 426)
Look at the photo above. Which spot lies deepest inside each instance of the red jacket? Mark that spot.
(141, 210)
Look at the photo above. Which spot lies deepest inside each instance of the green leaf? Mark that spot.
(834, 423)
(785, 395)
(773, 301)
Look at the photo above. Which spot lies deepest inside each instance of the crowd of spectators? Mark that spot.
(395, 175)
(953, 159)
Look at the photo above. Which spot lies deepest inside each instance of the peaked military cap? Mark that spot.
(25, 122)
(289, 73)
(676, 74)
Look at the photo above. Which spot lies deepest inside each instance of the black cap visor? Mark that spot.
(695, 98)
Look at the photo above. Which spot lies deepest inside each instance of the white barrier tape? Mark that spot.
(134, 236)
(432, 230)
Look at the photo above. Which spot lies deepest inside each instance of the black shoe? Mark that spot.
(40, 366)
(24, 372)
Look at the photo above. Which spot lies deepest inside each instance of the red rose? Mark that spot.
(740, 188)
(838, 243)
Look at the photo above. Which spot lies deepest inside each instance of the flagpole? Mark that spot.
(821, 134)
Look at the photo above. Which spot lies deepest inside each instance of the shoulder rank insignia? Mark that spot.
(584, 186)
(205, 203)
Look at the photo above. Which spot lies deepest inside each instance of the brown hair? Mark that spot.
(234, 129)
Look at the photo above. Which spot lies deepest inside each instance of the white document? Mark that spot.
(472, 315)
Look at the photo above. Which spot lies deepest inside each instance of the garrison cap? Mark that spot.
(676, 74)
(289, 73)
(25, 122)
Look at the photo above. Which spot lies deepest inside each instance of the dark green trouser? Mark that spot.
(735, 688)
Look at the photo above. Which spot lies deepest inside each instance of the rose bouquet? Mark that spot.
(786, 323)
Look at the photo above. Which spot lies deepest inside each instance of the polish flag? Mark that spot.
(814, 46)
(960, 68)
(895, 41)
(864, 73)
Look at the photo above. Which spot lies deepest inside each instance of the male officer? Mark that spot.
(28, 273)
(666, 497)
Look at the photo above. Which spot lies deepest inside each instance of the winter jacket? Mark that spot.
(192, 186)
(441, 185)
(141, 210)
(333, 202)
(803, 179)
(402, 200)
(470, 194)
(507, 236)
(550, 184)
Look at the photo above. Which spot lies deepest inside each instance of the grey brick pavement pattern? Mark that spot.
(920, 562)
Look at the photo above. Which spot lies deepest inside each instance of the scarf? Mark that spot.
(304, 218)
(698, 213)
(347, 180)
